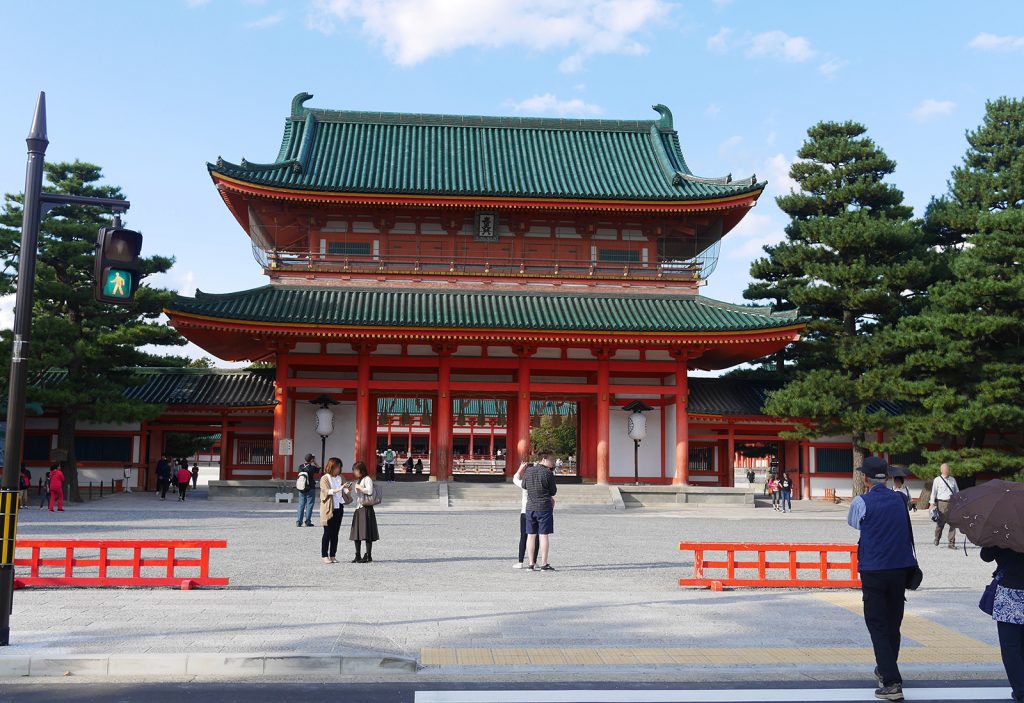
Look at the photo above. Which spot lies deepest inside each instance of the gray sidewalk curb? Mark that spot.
(212, 664)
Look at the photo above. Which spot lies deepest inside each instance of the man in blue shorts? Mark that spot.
(539, 484)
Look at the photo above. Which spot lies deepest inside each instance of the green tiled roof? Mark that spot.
(458, 155)
(442, 309)
(195, 387)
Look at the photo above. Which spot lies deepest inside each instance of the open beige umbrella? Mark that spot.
(990, 515)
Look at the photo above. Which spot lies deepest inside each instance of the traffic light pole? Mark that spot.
(36, 203)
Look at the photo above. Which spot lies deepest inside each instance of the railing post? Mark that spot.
(69, 561)
(103, 563)
(762, 567)
(170, 562)
(34, 567)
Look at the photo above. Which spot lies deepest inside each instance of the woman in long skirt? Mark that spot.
(364, 521)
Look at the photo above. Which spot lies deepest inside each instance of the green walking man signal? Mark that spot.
(117, 264)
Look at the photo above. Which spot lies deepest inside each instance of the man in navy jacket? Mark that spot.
(885, 555)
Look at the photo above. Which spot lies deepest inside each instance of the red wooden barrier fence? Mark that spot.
(115, 562)
(795, 572)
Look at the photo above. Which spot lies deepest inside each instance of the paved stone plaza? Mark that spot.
(442, 592)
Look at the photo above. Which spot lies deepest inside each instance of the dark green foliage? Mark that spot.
(961, 374)
(94, 342)
(853, 262)
(561, 439)
(186, 444)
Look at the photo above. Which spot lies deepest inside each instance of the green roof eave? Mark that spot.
(383, 153)
(481, 310)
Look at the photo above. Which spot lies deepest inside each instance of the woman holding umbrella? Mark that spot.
(992, 516)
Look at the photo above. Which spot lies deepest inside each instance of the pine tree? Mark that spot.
(94, 343)
(962, 371)
(853, 262)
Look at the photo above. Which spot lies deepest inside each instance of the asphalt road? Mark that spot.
(68, 691)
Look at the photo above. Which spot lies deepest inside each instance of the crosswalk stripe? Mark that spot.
(794, 695)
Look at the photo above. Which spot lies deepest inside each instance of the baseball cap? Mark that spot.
(875, 467)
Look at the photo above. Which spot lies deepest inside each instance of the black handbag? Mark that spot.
(988, 597)
(914, 573)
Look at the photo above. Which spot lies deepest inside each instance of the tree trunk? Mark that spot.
(66, 442)
(858, 460)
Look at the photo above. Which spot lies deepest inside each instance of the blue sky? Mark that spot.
(151, 91)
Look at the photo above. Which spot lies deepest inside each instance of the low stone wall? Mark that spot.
(250, 490)
(638, 496)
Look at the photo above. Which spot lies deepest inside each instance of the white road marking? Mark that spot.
(793, 695)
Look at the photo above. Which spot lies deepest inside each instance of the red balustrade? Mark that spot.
(769, 571)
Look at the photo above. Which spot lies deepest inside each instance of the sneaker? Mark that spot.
(518, 565)
(879, 679)
(892, 692)
(298, 524)
(547, 567)
(308, 524)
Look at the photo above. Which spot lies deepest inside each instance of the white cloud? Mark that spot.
(712, 111)
(996, 42)
(753, 233)
(267, 21)
(412, 31)
(188, 284)
(777, 172)
(927, 109)
(548, 103)
(779, 45)
(719, 43)
(832, 66)
(729, 144)
(7, 312)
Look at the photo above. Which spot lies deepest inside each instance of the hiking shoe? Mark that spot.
(547, 567)
(892, 692)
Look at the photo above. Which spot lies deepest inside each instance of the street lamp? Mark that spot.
(637, 428)
(324, 423)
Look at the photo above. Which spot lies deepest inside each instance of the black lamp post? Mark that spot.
(637, 429)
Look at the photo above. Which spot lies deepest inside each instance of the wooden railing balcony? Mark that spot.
(281, 262)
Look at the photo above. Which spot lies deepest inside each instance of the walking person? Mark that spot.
(786, 493)
(517, 479)
(333, 496)
(539, 483)
(364, 519)
(184, 477)
(1008, 612)
(44, 491)
(943, 488)
(885, 559)
(195, 475)
(25, 481)
(390, 457)
(900, 486)
(306, 487)
(56, 488)
(163, 476)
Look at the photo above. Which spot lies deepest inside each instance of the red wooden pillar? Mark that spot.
(523, 410)
(441, 442)
(730, 452)
(603, 417)
(472, 428)
(682, 476)
(363, 418)
(511, 436)
(490, 448)
(805, 450)
(408, 442)
(225, 448)
(280, 417)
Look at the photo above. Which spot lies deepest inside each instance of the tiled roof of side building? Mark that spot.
(440, 309)
(457, 155)
(193, 387)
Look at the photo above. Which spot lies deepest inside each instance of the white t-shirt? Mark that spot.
(518, 481)
(336, 483)
(940, 491)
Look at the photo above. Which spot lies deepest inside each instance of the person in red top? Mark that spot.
(183, 476)
(56, 488)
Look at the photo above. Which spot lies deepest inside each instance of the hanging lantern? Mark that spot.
(460, 419)
(405, 419)
(425, 418)
(324, 421)
(382, 419)
(481, 418)
(556, 415)
(571, 417)
(535, 421)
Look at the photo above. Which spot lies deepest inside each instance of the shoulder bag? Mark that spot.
(914, 573)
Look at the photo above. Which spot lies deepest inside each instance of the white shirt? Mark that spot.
(366, 483)
(518, 481)
(336, 483)
(940, 491)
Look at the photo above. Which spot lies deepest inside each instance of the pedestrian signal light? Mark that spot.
(117, 264)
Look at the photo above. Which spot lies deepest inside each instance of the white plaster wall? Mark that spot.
(341, 442)
(844, 486)
(621, 446)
